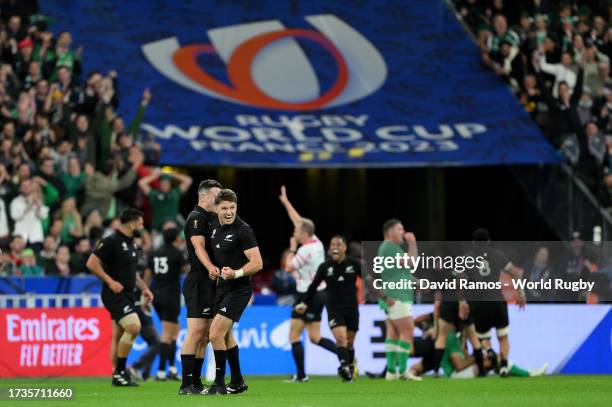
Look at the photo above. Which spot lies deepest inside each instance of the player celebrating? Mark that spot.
(166, 265)
(198, 288)
(397, 303)
(115, 262)
(493, 311)
(237, 254)
(304, 262)
(340, 274)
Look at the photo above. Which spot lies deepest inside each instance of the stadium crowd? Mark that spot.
(68, 161)
(555, 55)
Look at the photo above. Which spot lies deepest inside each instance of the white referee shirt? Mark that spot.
(306, 261)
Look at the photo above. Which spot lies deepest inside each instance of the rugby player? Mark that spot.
(305, 262)
(165, 267)
(397, 303)
(457, 364)
(199, 288)
(115, 262)
(237, 256)
(491, 311)
(340, 275)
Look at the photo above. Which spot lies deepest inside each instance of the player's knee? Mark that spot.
(128, 337)
(216, 336)
(341, 341)
(314, 338)
(132, 329)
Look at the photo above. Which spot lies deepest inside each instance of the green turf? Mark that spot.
(327, 391)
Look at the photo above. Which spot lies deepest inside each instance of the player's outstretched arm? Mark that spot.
(291, 211)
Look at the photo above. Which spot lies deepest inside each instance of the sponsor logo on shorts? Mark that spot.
(332, 323)
(127, 309)
(206, 311)
(223, 309)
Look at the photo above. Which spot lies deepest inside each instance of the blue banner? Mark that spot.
(305, 83)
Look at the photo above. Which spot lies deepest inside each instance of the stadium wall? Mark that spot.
(573, 339)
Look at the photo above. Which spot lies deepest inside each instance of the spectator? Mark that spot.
(72, 221)
(93, 220)
(28, 211)
(501, 33)
(575, 266)
(165, 201)
(538, 270)
(562, 72)
(78, 259)
(55, 231)
(61, 266)
(16, 246)
(28, 266)
(47, 254)
(74, 179)
(101, 186)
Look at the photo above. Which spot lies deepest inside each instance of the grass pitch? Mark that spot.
(327, 391)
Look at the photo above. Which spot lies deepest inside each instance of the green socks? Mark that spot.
(517, 371)
(391, 353)
(403, 353)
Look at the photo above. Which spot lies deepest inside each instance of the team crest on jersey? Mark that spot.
(349, 269)
(228, 238)
(330, 271)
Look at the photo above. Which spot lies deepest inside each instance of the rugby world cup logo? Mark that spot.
(267, 68)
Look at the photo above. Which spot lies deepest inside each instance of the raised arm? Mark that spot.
(184, 181)
(291, 211)
(146, 181)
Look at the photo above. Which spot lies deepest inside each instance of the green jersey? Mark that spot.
(452, 346)
(395, 274)
(165, 206)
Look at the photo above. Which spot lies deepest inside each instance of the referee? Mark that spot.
(198, 288)
(115, 262)
(237, 255)
(340, 275)
(165, 266)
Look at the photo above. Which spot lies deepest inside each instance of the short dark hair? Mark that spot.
(226, 195)
(208, 184)
(130, 215)
(480, 235)
(341, 237)
(389, 224)
(170, 234)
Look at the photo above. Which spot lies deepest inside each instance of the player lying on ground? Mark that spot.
(340, 274)
(458, 364)
(303, 262)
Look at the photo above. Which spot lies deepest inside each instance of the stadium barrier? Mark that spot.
(75, 341)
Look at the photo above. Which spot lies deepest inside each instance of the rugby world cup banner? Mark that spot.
(51, 342)
(305, 83)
